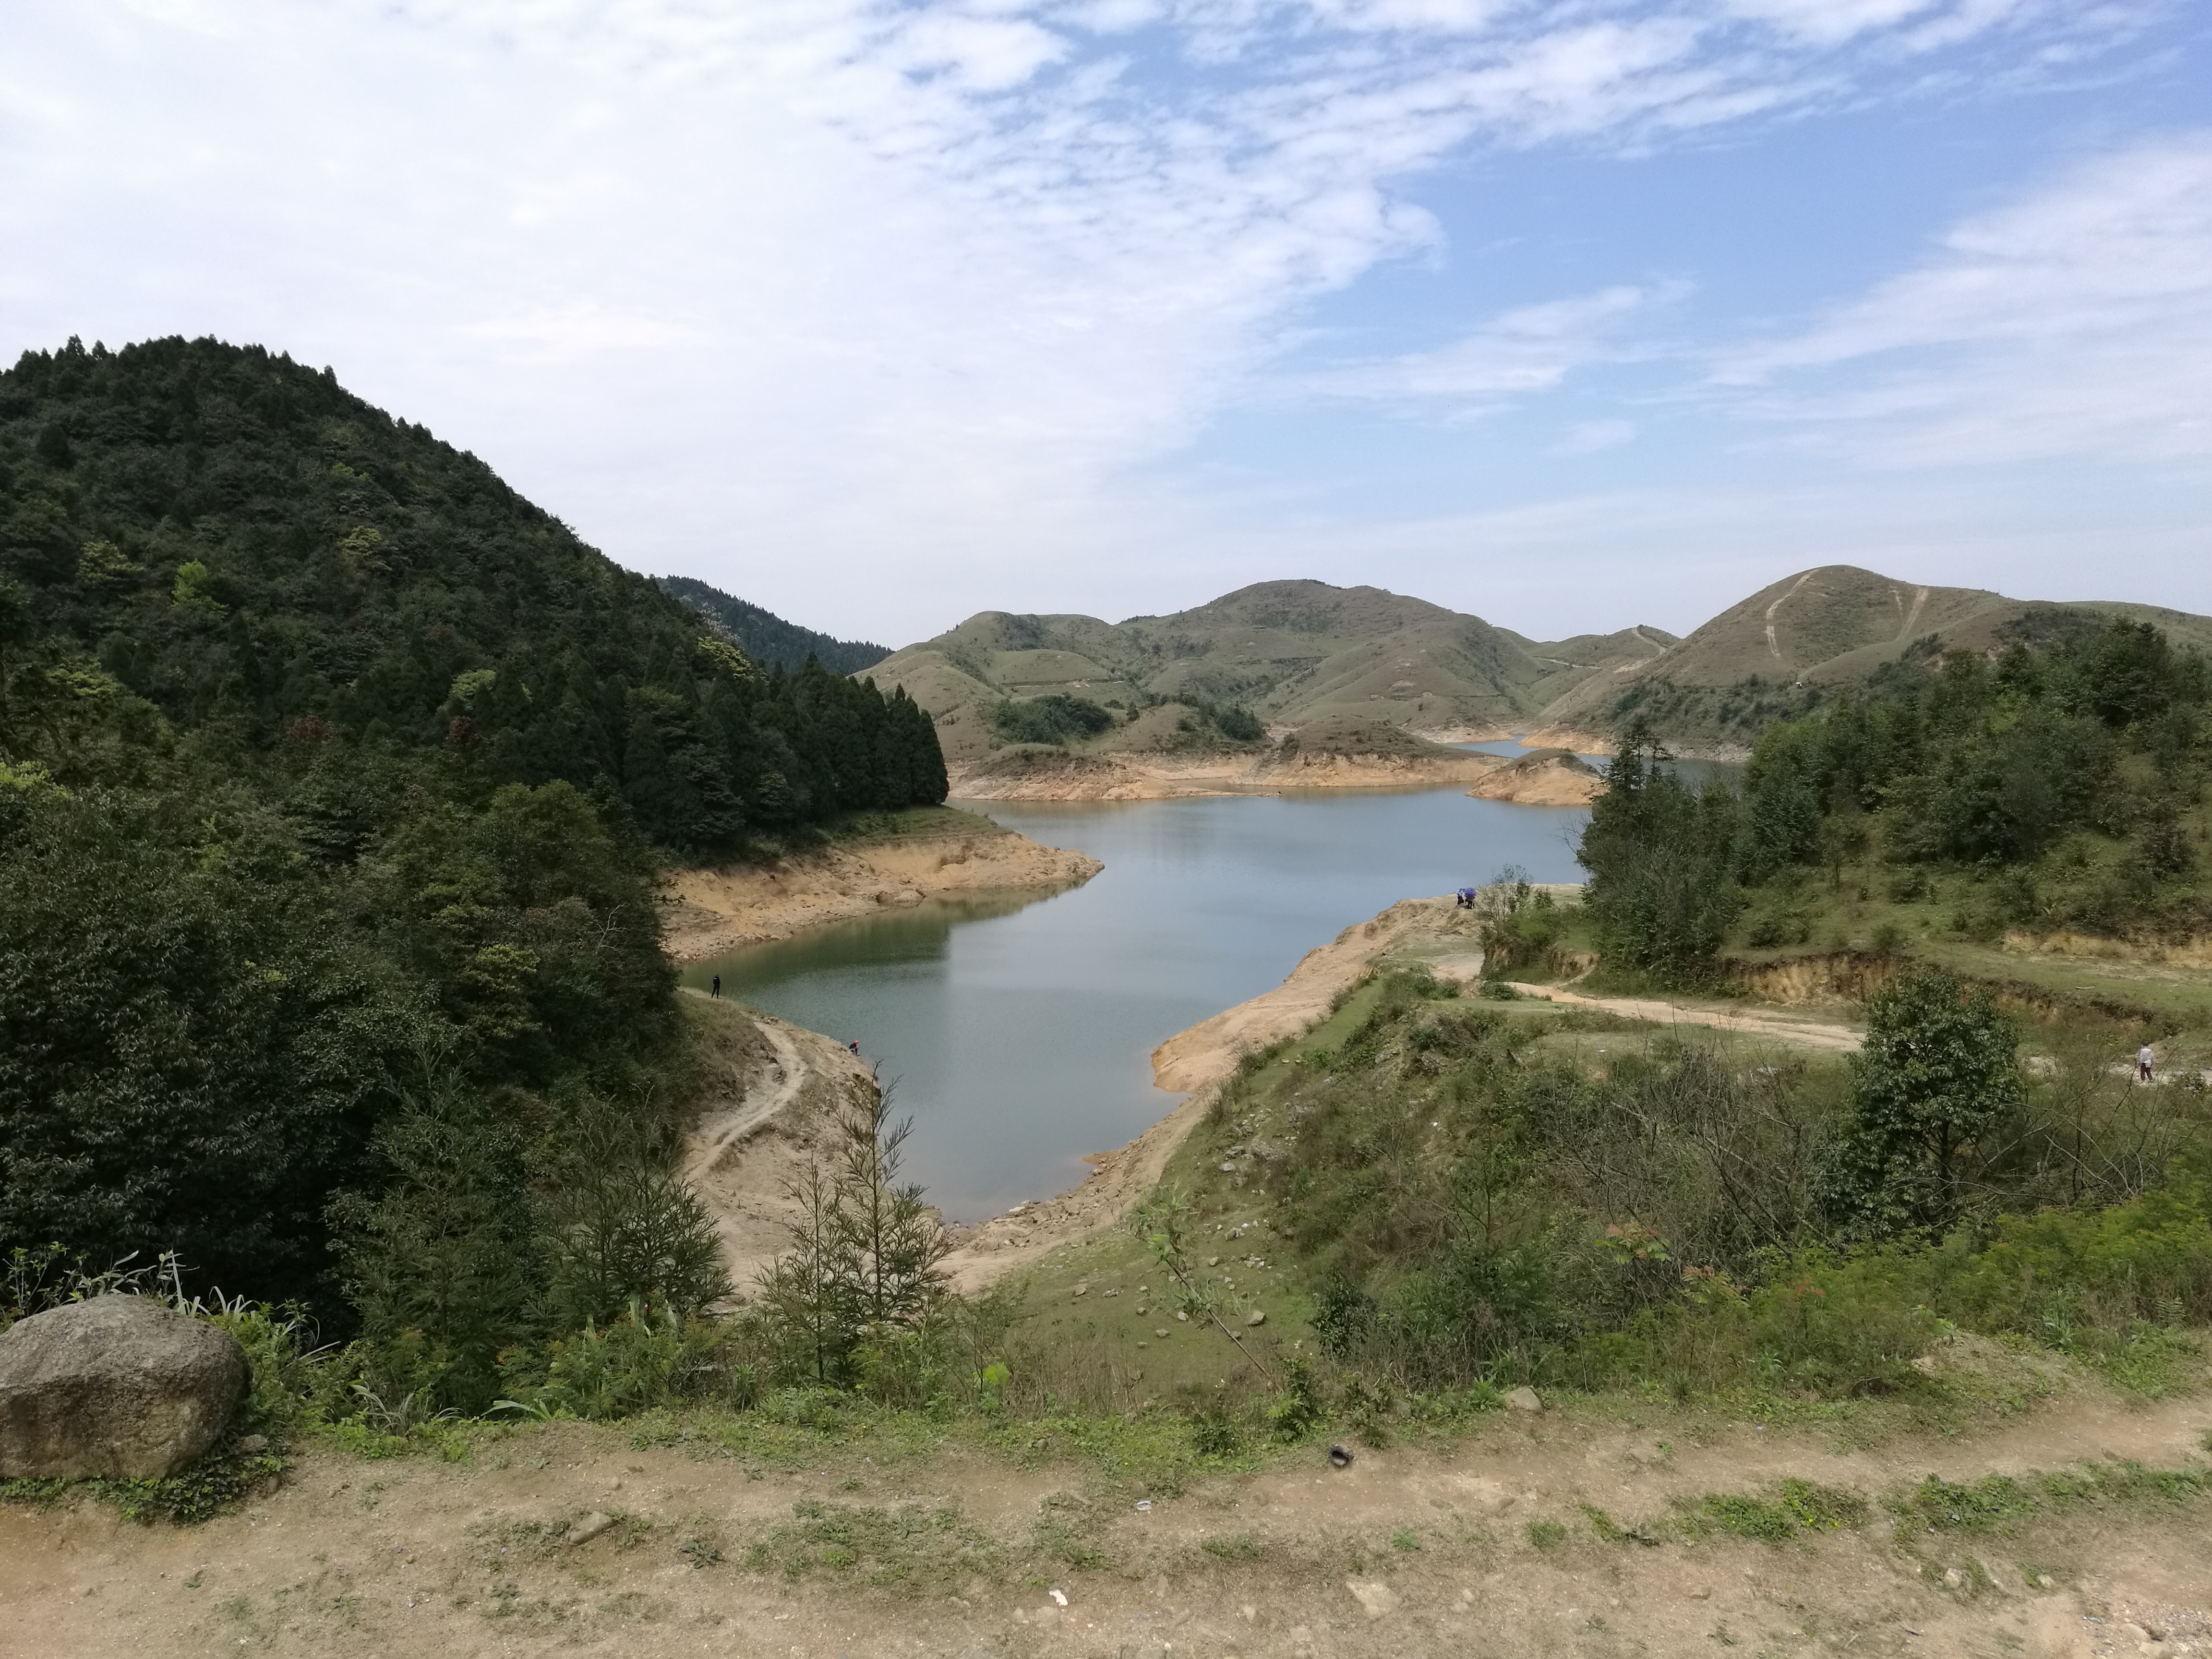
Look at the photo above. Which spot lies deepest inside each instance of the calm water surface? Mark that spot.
(1019, 1029)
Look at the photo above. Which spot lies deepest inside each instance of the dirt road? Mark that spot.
(935, 1544)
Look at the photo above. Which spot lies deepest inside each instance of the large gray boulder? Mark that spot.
(119, 1385)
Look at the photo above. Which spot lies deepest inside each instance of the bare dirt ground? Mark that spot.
(706, 913)
(1478, 1546)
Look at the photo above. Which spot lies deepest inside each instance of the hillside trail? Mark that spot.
(1487, 1544)
(1742, 1022)
(766, 1095)
(744, 1155)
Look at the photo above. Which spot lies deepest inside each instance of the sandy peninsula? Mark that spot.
(707, 912)
(1543, 777)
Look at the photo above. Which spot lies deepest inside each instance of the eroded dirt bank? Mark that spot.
(707, 912)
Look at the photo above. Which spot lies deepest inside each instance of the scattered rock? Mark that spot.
(1082, 1290)
(1162, 1331)
(1340, 1457)
(589, 1527)
(1524, 1399)
(1059, 1597)
(1952, 1578)
(1213, 1261)
(1375, 1596)
(253, 1445)
(1182, 1318)
(2045, 1581)
(1703, 1593)
(1257, 1317)
(119, 1385)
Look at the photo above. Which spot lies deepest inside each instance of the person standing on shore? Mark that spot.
(2144, 1059)
(718, 985)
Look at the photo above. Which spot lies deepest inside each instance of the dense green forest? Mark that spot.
(2053, 786)
(334, 779)
(765, 637)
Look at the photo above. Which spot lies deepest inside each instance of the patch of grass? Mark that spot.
(1405, 1539)
(218, 1482)
(918, 1548)
(1794, 1507)
(1546, 1535)
(1236, 1546)
(1999, 1503)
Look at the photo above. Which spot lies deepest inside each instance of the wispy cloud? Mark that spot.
(857, 304)
(2077, 321)
(1530, 349)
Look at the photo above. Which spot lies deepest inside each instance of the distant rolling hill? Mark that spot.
(765, 637)
(1795, 645)
(1292, 653)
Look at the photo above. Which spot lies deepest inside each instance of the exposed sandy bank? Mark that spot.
(705, 913)
(1571, 738)
(1169, 777)
(1548, 777)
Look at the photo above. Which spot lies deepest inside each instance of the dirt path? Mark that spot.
(1744, 1022)
(767, 1095)
(742, 1157)
(1416, 1551)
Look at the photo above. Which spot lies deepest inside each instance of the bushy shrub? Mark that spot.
(1055, 717)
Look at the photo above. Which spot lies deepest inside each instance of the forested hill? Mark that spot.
(233, 538)
(332, 773)
(766, 637)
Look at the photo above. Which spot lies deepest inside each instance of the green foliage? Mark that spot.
(324, 751)
(861, 1273)
(1055, 717)
(193, 1053)
(767, 638)
(1476, 1208)
(1661, 856)
(623, 1230)
(2066, 768)
(1796, 1506)
(443, 1265)
(1938, 1072)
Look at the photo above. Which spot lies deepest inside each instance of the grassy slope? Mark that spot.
(1293, 652)
(1831, 627)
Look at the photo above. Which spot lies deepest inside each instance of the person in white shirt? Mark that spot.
(2143, 1058)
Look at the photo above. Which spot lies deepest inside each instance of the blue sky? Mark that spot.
(1574, 313)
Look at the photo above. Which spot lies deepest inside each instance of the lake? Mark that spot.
(1018, 1027)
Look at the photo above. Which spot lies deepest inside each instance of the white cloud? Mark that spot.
(2075, 322)
(868, 308)
(1531, 349)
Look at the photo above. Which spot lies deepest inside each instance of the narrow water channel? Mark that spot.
(1018, 1028)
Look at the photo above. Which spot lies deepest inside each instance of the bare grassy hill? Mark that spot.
(1293, 653)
